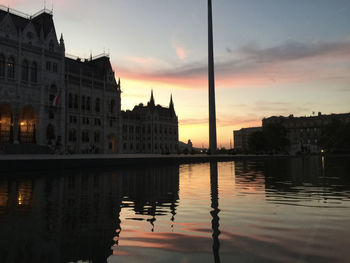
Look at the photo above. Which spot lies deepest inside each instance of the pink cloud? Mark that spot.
(181, 52)
(288, 63)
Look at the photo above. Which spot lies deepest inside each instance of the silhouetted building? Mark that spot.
(93, 107)
(150, 129)
(241, 138)
(304, 132)
(50, 99)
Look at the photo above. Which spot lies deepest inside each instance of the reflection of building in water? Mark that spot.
(316, 171)
(74, 216)
(287, 173)
(153, 193)
(249, 176)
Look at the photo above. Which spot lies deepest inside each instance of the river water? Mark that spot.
(278, 210)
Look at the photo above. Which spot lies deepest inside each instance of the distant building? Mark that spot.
(304, 132)
(241, 138)
(150, 129)
(186, 147)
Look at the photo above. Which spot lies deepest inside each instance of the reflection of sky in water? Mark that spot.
(293, 210)
(285, 211)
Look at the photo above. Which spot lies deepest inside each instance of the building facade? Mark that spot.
(304, 133)
(150, 129)
(93, 106)
(31, 75)
(241, 138)
(48, 98)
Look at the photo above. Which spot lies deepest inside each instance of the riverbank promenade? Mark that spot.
(48, 162)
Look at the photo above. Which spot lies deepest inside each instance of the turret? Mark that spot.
(151, 101)
(171, 104)
(62, 42)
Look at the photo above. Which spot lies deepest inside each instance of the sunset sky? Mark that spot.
(272, 57)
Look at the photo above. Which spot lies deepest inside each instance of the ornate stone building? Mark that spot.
(93, 107)
(50, 99)
(31, 76)
(150, 129)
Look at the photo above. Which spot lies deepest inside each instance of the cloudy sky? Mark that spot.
(272, 57)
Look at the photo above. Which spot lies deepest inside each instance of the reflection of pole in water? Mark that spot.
(215, 212)
(116, 238)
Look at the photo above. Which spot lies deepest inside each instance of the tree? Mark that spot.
(273, 138)
(335, 137)
(257, 142)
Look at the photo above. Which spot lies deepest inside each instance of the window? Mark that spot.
(85, 136)
(52, 94)
(88, 103)
(97, 105)
(11, 68)
(97, 122)
(25, 70)
(34, 72)
(72, 135)
(2, 66)
(51, 46)
(54, 67)
(48, 66)
(86, 120)
(73, 119)
(83, 102)
(70, 100)
(97, 137)
(76, 101)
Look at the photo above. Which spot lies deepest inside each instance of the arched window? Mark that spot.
(2, 66)
(34, 72)
(25, 70)
(11, 68)
(97, 105)
(51, 46)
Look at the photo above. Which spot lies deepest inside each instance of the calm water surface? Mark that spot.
(290, 210)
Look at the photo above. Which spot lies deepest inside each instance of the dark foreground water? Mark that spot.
(291, 210)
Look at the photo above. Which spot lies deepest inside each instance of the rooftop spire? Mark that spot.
(151, 102)
(171, 104)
